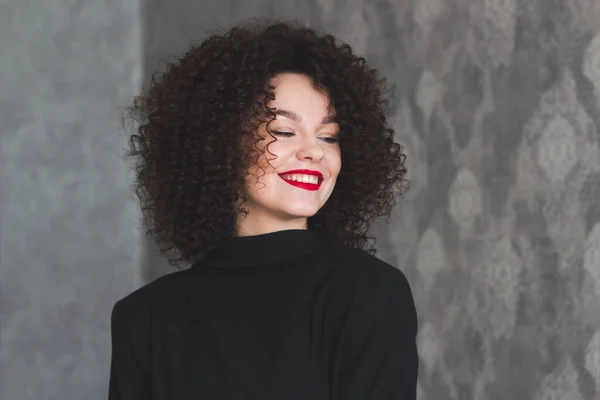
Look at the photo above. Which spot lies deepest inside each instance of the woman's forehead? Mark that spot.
(297, 98)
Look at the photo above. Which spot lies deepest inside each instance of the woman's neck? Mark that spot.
(249, 226)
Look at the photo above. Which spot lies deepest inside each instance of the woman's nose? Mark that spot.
(310, 148)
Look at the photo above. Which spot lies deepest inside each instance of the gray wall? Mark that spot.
(497, 103)
(68, 224)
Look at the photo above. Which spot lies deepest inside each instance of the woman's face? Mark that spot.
(301, 171)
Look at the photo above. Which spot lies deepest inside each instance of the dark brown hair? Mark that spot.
(193, 115)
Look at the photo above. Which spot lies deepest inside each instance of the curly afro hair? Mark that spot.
(193, 116)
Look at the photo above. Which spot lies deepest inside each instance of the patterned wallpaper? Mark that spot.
(498, 107)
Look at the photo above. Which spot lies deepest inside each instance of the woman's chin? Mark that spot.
(301, 211)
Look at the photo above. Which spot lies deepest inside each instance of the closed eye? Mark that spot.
(283, 134)
(331, 139)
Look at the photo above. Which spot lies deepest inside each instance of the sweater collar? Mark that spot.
(264, 249)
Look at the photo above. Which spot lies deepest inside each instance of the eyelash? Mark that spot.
(330, 140)
(284, 134)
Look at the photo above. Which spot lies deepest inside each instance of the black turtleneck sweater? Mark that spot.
(285, 315)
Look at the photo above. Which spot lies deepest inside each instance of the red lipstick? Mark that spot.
(303, 185)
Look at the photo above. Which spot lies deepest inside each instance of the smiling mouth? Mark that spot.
(303, 181)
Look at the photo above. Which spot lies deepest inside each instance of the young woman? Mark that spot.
(263, 155)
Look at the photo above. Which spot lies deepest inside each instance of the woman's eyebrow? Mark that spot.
(330, 119)
(288, 114)
(297, 118)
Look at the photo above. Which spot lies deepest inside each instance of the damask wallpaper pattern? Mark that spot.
(498, 108)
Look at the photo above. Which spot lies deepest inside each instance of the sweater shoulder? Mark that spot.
(367, 276)
(155, 294)
(363, 265)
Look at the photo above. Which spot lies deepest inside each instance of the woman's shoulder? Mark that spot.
(156, 294)
(360, 268)
(378, 290)
(366, 265)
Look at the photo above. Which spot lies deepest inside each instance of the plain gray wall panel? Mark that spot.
(69, 236)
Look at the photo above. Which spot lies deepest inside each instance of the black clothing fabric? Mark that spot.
(285, 315)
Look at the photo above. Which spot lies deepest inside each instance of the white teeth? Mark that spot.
(302, 178)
